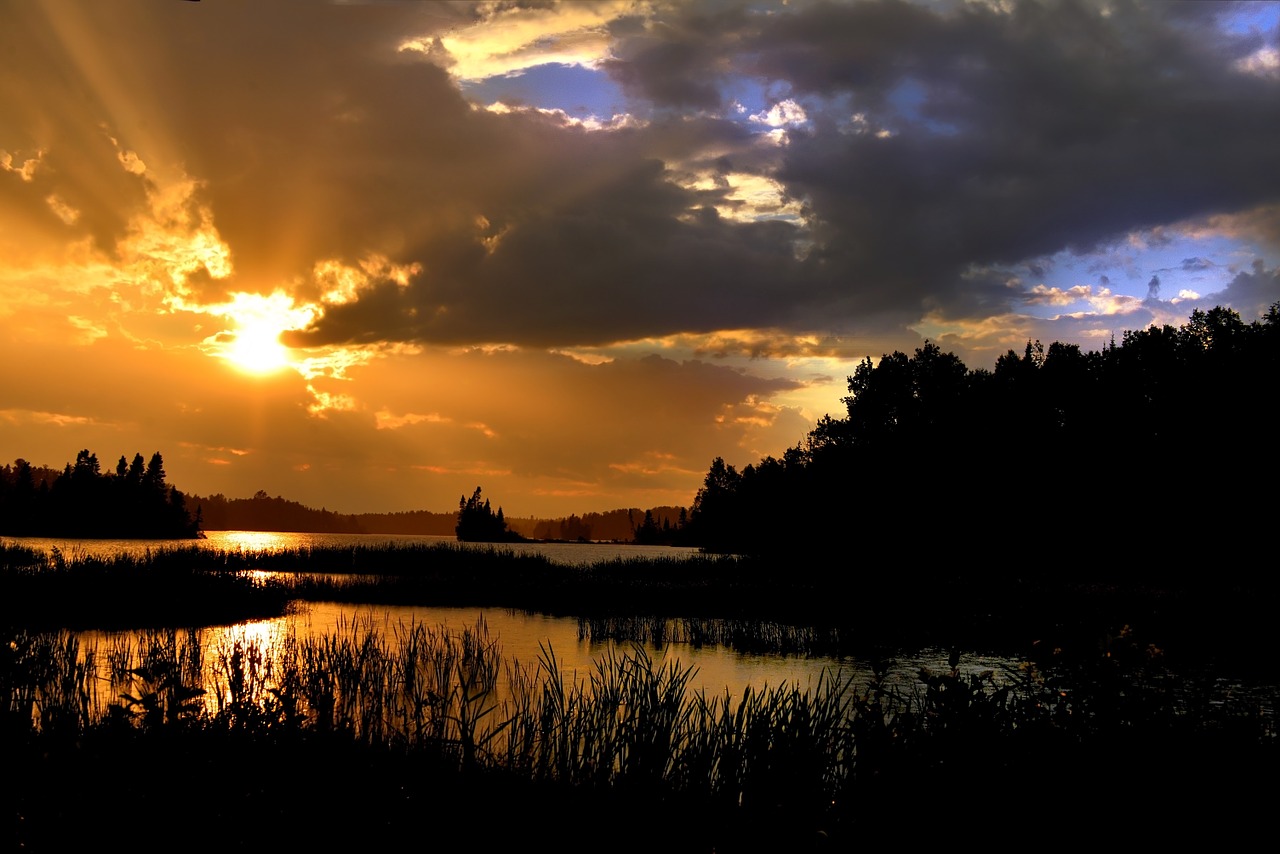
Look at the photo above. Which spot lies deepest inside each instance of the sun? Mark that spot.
(253, 345)
(256, 349)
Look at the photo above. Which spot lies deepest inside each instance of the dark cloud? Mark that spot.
(590, 275)
(1048, 127)
(1190, 265)
(671, 62)
(662, 72)
(1071, 128)
(1252, 293)
(1039, 268)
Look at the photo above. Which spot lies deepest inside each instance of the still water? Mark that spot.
(521, 637)
(572, 554)
(524, 638)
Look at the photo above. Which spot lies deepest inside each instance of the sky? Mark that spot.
(370, 256)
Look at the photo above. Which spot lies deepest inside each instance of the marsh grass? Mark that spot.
(437, 704)
(49, 684)
(392, 729)
(750, 605)
(81, 591)
(741, 635)
(14, 555)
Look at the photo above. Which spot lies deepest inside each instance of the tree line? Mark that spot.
(478, 522)
(655, 525)
(263, 512)
(1085, 456)
(133, 501)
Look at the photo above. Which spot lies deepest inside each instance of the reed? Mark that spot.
(448, 702)
(742, 635)
(465, 727)
(751, 605)
(19, 556)
(85, 591)
(48, 683)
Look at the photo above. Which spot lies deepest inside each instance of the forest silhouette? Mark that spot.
(1055, 447)
(263, 512)
(134, 501)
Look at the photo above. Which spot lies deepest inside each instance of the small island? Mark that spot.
(477, 523)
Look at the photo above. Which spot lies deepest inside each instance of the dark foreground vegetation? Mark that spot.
(354, 739)
(1115, 725)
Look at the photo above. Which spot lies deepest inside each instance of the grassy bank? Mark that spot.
(363, 737)
(55, 591)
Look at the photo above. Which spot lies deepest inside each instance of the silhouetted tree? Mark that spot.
(715, 514)
(136, 470)
(153, 479)
(647, 532)
(478, 523)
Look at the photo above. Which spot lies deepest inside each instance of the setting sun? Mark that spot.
(504, 244)
(257, 350)
(253, 345)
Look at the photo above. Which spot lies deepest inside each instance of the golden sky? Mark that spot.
(370, 256)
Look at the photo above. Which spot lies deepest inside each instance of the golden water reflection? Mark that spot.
(523, 639)
(569, 553)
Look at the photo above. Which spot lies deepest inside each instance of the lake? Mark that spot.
(252, 541)
(287, 683)
(521, 636)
